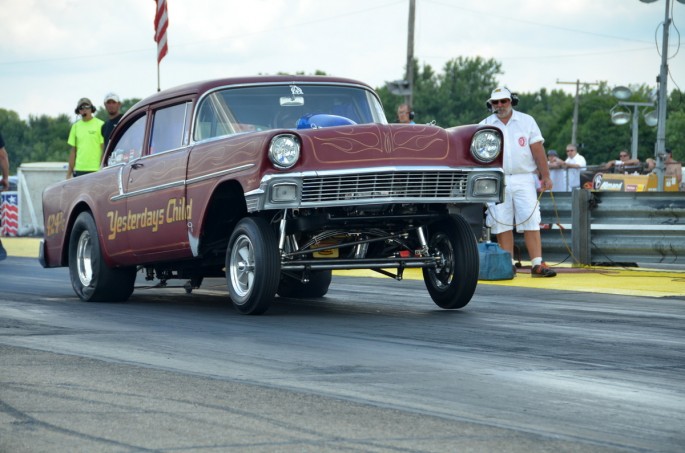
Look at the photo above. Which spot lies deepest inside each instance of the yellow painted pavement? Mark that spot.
(24, 247)
(628, 281)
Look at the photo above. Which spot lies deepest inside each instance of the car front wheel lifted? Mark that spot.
(253, 266)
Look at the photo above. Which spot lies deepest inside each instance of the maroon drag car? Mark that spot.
(274, 182)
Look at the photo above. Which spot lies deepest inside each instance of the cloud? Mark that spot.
(53, 53)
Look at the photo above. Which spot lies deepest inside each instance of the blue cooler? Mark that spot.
(495, 263)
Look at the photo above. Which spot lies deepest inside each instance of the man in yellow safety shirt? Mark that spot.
(86, 141)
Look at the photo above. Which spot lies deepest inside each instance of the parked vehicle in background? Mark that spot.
(273, 182)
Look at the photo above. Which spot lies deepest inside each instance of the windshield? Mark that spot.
(258, 108)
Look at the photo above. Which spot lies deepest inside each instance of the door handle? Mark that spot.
(137, 165)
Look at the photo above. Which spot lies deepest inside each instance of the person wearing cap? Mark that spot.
(575, 163)
(557, 171)
(85, 139)
(112, 105)
(524, 159)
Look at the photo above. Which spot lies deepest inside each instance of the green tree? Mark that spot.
(455, 97)
(48, 139)
(14, 131)
(675, 125)
(599, 140)
(452, 97)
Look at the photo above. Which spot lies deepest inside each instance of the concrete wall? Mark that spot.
(33, 178)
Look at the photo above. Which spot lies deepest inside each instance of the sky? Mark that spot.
(53, 52)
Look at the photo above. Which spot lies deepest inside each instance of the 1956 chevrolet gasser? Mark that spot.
(274, 182)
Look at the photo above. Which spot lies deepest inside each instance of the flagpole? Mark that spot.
(161, 24)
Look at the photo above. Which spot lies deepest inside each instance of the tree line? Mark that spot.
(457, 96)
(41, 138)
(452, 97)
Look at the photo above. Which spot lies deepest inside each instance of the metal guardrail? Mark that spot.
(622, 228)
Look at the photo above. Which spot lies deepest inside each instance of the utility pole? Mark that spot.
(408, 98)
(660, 150)
(575, 107)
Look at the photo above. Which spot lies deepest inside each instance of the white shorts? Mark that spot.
(520, 208)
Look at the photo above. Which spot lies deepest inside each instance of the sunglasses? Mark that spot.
(499, 101)
(85, 106)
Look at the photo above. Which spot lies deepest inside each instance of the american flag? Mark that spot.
(161, 24)
(9, 214)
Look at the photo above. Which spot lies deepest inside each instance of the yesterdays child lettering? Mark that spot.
(176, 210)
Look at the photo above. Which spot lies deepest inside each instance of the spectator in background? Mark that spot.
(673, 168)
(5, 166)
(557, 171)
(85, 139)
(113, 107)
(650, 166)
(575, 164)
(624, 164)
(405, 114)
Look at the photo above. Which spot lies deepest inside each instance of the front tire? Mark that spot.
(452, 284)
(253, 266)
(91, 278)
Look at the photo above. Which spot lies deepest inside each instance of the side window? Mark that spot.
(214, 118)
(130, 144)
(168, 128)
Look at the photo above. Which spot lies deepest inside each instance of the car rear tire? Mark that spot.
(91, 278)
(317, 286)
(253, 266)
(452, 284)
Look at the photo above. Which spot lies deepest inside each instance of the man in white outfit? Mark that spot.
(557, 171)
(575, 164)
(524, 158)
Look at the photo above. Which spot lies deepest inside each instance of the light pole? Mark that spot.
(620, 116)
(660, 148)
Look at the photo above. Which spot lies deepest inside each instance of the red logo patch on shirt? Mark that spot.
(522, 141)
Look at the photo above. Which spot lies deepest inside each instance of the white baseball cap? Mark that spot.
(111, 97)
(500, 93)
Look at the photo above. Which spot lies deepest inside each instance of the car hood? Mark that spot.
(382, 144)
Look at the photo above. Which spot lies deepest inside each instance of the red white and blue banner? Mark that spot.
(9, 214)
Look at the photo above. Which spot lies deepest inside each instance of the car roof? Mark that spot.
(207, 85)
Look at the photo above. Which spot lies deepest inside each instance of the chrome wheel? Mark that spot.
(253, 266)
(84, 264)
(242, 266)
(92, 279)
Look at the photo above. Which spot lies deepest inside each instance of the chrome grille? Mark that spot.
(395, 185)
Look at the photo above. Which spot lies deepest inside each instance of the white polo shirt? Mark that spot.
(574, 173)
(519, 133)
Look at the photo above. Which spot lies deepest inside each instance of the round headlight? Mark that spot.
(284, 150)
(485, 145)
